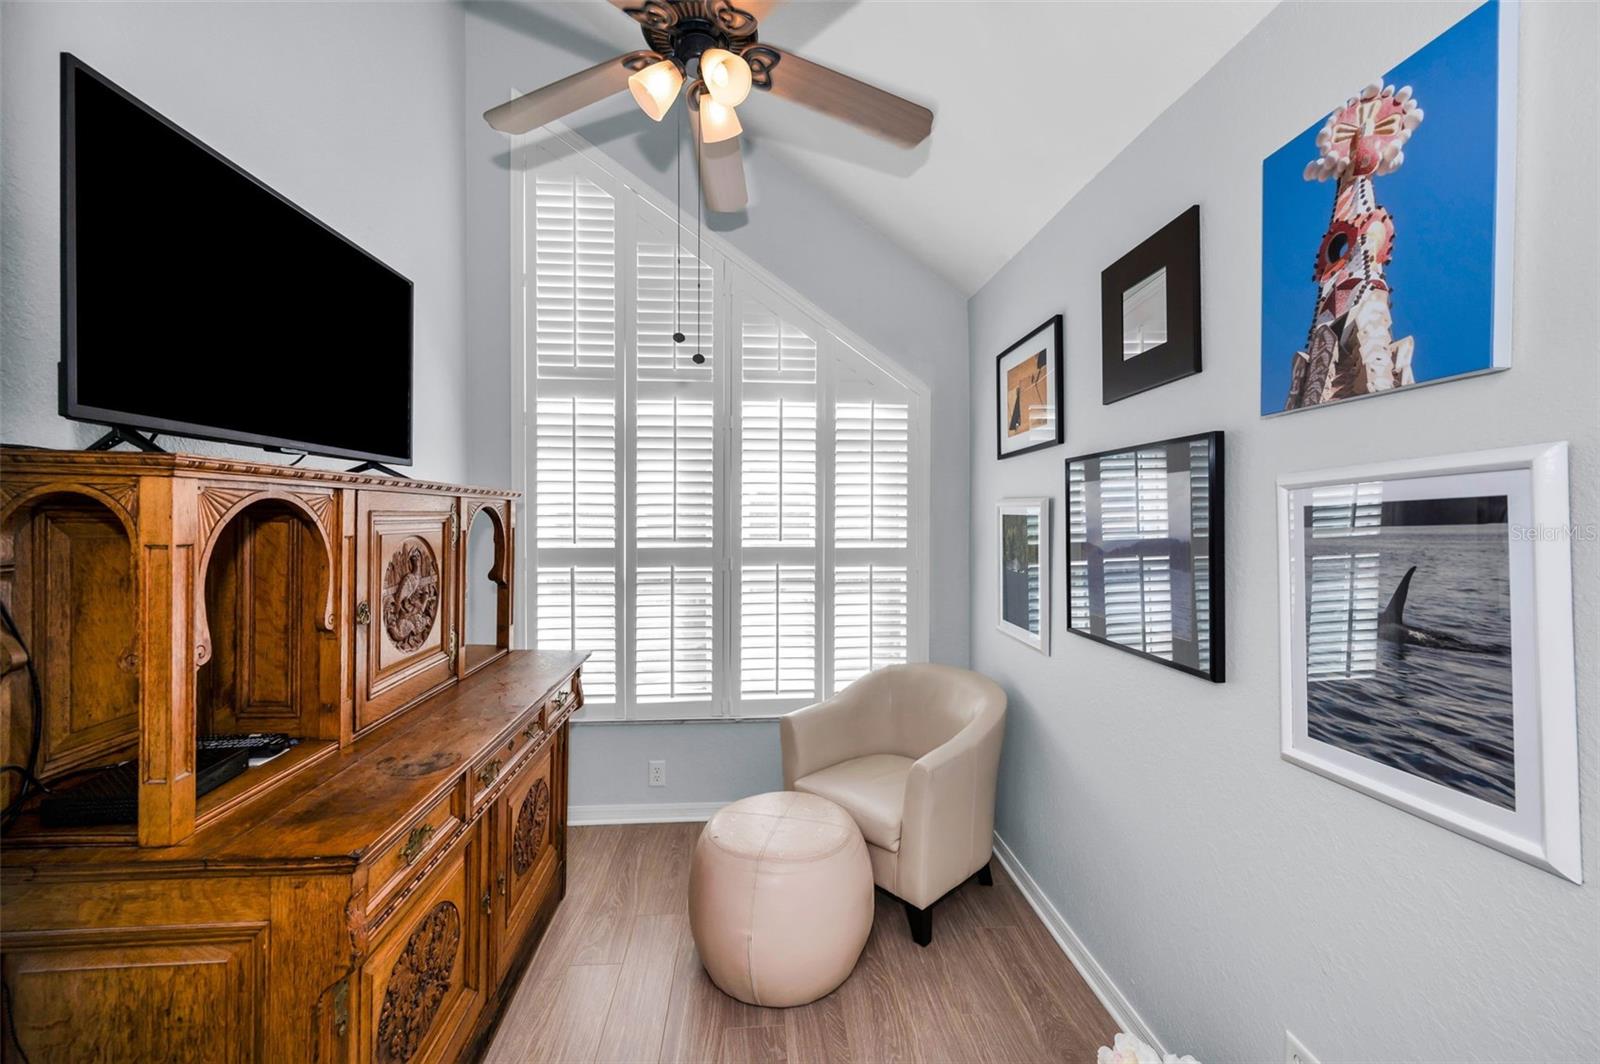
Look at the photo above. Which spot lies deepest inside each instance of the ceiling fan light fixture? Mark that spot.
(655, 88)
(727, 76)
(717, 122)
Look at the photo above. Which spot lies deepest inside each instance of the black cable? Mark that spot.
(29, 779)
(11, 1021)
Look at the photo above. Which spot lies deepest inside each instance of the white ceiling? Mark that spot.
(1031, 98)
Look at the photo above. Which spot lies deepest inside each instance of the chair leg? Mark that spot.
(921, 921)
(986, 875)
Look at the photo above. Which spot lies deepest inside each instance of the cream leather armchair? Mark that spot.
(911, 752)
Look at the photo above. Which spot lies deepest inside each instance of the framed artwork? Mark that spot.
(1150, 312)
(1406, 226)
(1024, 604)
(1426, 642)
(1030, 393)
(1144, 551)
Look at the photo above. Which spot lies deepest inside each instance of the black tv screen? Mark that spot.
(197, 301)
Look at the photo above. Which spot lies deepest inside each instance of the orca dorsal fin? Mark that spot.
(1394, 612)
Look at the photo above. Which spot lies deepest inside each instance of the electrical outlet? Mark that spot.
(658, 778)
(1295, 1052)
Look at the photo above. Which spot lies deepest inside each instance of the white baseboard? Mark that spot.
(1116, 1003)
(642, 813)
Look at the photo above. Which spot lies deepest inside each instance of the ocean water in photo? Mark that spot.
(1431, 694)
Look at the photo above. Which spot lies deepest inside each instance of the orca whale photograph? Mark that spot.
(1408, 638)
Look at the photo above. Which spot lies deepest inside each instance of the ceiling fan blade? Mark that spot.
(721, 171)
(560, 98)
(878, 112)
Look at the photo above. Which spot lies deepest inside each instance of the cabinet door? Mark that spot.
(406, 592)
(422, 983)
(167, 993)
(525, 826)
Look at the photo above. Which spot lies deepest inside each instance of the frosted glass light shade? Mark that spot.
(655, 87)
(717, 122)
(727, 76)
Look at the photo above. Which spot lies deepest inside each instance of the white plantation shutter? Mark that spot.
(664, 267)
(575, 494)
(575, 274)
(870, 620)
(674, 643)
(1078, 534)
(871, 471)
(578, 611)
(778, 631)
(725, 537)
(1343, 599)
(1139, 603)
(778, 472)
(676, 488)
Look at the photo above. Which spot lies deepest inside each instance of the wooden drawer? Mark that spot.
(407, 592)
(422, 983)
(395, 862)
(524, 855)
(487, 772)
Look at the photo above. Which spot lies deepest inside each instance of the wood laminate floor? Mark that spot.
(617, 978)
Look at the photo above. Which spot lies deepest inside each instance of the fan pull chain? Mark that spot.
(677, 244)
(699, 266)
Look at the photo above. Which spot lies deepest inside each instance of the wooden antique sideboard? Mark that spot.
(369, 895)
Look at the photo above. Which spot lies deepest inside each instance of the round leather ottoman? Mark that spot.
(780, 898)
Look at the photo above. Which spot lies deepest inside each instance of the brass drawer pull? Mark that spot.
(363, 613)
(500, 881)
(532, 730)
(416, 842)
(486, 907)
(489, 773)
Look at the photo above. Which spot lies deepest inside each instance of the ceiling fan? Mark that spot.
(715, 45)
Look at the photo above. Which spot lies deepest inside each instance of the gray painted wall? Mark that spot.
(352, 110)
(1228, 893)
(809, 241)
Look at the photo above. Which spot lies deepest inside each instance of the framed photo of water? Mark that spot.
(1426, 642)
(1144, 551)
(1025, 571)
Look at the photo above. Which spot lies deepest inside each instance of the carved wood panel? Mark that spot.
(171, 994)
(418, 984)
(76, 605)
(407, 600)
(533, 827)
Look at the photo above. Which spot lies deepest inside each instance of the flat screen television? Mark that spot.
(197, 301)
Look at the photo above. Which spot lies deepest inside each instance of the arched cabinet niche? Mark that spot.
(267, 653)
(67, 577)
(486, 582)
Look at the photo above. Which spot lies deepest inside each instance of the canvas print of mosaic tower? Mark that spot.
(1410, 283)
(1350, 349)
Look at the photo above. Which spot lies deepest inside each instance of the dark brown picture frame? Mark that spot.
(1176, 246)
(1058, 391)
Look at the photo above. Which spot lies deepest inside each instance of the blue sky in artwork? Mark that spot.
(1442, 199)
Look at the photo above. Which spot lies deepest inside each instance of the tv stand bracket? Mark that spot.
(131, 437)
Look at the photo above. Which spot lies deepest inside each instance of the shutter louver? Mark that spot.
(675, 481)
(1078, 533)
(575, 497)
(657, 317)
(577, 610)
(775, 351)
(870, 620)
(871, 473)
(778, 631)
(673, 633)
(778, 473)
(575, 275)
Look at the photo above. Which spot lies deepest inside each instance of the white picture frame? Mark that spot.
(1539, 821)
(1022, 597)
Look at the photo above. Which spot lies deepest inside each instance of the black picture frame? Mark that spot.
(1209, 664)
(1175, 247)
(1058, 392)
